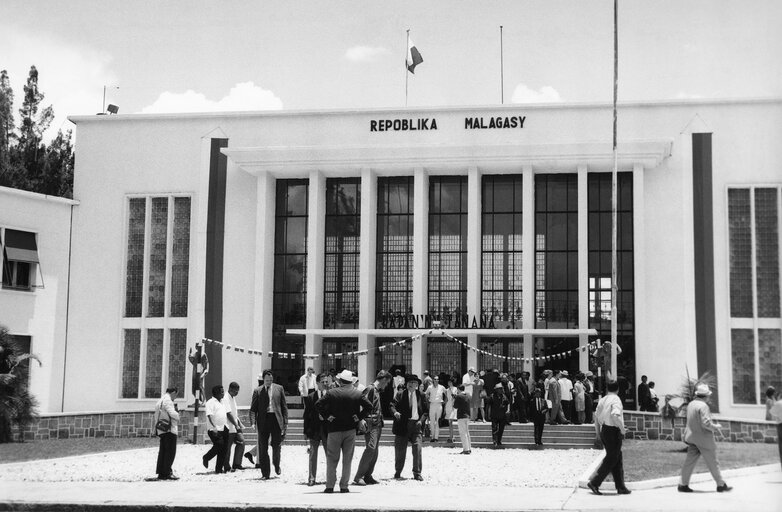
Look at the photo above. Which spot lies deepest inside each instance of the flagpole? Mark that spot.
(407, 49)
(502, 72)
(614, 286)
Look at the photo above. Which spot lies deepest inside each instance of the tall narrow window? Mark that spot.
(501, 250)
(448, 247)
(599, 233)
(753, 250)
(556, 251)
(290, 278)
(343, 246)
(394, 285)
(157, 267)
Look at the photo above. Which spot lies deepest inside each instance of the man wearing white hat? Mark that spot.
(699, 436)
(342, 407)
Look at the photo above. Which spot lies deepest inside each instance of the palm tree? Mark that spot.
(17, 404)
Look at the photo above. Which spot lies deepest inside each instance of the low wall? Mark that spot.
(650, 425)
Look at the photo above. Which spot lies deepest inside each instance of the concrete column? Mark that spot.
(583, 265)
(420, 261)
(643, 344)
(528, 261)
(316, 260)
(367, 272)
(473, 255)
(264, 270)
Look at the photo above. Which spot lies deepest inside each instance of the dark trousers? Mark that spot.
(497, 429)
(238, 452)
(539, 420)
(366, 465)
(412, 436)
(589, 408)
(270, 429)
(521, 407)
(166, 454)
(779, 440)
(612, 462)
(219, 449)
(567, 409)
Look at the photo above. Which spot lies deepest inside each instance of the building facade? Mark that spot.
(324, 238)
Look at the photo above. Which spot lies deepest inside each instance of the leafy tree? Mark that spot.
(26, 161)
(17, 404)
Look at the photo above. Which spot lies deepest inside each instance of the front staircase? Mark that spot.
(516, 436)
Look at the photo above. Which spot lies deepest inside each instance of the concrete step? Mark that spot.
(515, 436)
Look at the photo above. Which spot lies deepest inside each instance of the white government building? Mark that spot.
(328, 233)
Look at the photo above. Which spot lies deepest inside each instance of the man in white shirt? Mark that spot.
(307, 383)
(610, 426)
(235, 426)
(566, 394)
(436, 396)
(217, 422)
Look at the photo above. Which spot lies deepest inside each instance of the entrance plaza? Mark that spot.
(489, 480)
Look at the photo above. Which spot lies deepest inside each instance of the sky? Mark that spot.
(175, 56)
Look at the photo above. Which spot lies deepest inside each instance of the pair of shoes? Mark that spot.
(328, 490)
(419, 478)
(724, 488)
(205, 461)
(397, 476)
(172, 476)
(311, 483)
(623, 490)
(465, 452)
(240, 468)
(594, 488)
(684, 488)
(249, 456)
(368, 480)
(344, 490)
(277, 469)
(265, 477)
(357, 481)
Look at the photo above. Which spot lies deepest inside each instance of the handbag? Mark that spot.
(162, 425)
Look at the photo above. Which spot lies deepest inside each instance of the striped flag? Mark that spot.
(413, 56)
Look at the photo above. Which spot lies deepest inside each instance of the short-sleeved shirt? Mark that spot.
(216, 410)
(229, 403)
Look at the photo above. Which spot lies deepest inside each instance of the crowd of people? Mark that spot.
(338, 408)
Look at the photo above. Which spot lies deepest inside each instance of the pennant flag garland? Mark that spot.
(413, 56)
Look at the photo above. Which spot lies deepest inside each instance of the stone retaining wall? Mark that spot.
(649, 425)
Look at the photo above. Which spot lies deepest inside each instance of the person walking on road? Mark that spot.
(610, 426)
(699, 436)
(271, 415)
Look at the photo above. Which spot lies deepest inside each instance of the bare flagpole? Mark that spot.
(407, 49)
(502, 72)
(614, 287)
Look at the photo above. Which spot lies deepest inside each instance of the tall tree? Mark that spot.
(34, 122)
(6, 113)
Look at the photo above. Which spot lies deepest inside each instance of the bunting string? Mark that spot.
(589, 348)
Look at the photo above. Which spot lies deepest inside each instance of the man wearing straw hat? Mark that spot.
(342, 407)
(699, 436)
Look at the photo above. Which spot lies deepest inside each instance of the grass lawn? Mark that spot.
(54, 448)
(645, 460)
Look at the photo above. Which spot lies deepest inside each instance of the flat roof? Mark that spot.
(36, 195)
(101, 118)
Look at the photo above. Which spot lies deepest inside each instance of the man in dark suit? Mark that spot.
(409, 408)
(314, 426)
(538, 409)
(522, 396)
(342, 407)
(271, 415)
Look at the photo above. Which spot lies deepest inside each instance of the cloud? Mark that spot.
(361, 54)
(70, 76)
(546, 94)
(242, 96)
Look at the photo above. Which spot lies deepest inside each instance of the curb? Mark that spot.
(672, 481)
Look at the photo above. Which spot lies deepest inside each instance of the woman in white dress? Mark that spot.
(450, 412)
